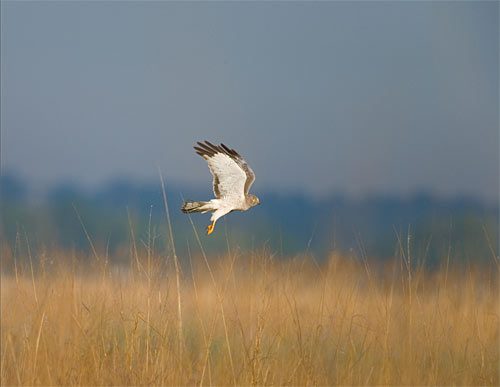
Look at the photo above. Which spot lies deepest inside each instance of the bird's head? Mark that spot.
(253, 200)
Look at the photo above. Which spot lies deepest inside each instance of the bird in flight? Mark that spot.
(232, 179)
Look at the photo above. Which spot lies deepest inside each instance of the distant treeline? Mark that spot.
(286, 224)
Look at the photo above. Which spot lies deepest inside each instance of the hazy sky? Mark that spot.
(362, 97)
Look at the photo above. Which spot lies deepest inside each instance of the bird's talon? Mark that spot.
(210, 228)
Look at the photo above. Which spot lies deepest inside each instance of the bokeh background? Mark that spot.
(363, 122)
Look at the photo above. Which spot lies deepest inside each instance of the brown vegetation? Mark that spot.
(246, 319)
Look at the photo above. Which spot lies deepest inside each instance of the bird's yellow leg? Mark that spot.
(210, 228)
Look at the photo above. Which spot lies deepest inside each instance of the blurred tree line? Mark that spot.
(287, 224)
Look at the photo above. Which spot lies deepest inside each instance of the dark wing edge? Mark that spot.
(250, 176)
(207, 149)
(243, 165)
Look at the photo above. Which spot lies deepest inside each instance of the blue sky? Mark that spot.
(360, 98)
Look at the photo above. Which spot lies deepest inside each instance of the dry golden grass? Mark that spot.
(247, 319)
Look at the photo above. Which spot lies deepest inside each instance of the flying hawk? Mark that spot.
(232, 180)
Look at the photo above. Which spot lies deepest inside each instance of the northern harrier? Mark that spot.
(232, 180)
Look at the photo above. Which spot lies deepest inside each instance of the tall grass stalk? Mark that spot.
(177, 269)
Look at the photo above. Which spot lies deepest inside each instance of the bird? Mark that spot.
(232, 179)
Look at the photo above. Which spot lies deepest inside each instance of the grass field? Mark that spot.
(246, 319)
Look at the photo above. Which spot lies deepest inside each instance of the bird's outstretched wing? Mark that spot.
(232, 175)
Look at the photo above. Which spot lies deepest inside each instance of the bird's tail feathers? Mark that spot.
(192, 206)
